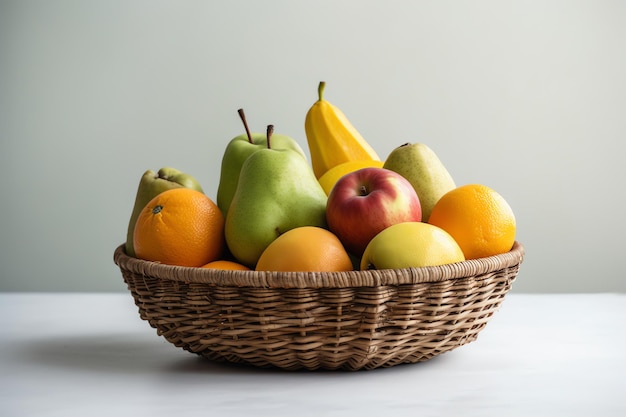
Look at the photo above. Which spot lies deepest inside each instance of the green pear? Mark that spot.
(151, 184)
(422, 167)
(237, 151)
(277, 191)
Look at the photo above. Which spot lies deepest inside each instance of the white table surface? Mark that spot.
(91, 355)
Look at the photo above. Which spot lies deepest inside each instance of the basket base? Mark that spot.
(361, 332)
(332, 328)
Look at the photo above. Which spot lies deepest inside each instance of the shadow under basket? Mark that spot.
(313, 320)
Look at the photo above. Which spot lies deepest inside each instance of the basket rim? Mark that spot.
(304, 280)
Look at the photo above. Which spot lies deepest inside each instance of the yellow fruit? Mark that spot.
(306, 248)
(330, 177)
(411, 244)
(331, 137)
(478, 218)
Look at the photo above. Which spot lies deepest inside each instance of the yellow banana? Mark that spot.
(331, 137)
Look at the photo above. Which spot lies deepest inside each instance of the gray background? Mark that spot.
(527, 97)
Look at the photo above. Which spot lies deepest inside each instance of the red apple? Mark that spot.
(364, 202)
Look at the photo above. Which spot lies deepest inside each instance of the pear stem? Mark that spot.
(320, 90)
(270, 131)
(245, 124)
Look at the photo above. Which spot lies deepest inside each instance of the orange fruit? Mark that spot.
(180, 226)
(226, 265)
(478, 218)
(305, 248)
(330, 177)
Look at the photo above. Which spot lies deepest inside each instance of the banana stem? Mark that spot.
(320, 90)
(245, 124)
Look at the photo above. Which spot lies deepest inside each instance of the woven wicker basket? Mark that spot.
(344, 320)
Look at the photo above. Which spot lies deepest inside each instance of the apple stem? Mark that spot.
(270, 131)
(245, 124)
(363, 190)
(320, 90)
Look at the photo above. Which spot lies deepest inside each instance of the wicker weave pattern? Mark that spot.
(354, 320)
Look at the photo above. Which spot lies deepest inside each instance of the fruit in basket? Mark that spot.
(237, 151)
(332, 139)
(411, 244)
(422, 167)
(366, 201)
(225, 264)
(479, 219)
(181, 227)
(277, 192)
(152, 184)
(306, 248)
(330, 177)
